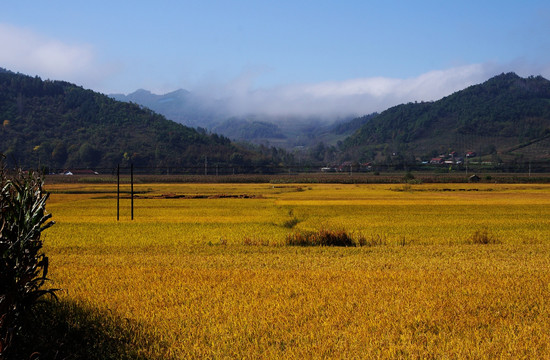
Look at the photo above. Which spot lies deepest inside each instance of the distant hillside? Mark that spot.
(501, 116)
(352, 125)
(60, 125)
(250, 130)
(181, 106)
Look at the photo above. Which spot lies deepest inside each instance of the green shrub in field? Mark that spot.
(23, 267)
(408, 176)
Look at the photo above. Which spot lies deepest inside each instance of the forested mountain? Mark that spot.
(501, 116)
(59, 125)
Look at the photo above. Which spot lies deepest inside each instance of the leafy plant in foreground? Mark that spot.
(23, 267)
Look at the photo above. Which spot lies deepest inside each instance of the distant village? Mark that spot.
(452, 158)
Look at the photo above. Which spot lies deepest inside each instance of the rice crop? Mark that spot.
(204, 270)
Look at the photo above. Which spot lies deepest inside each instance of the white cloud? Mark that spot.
(25, 51)
(357, 96)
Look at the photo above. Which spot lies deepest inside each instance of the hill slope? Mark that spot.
(59, 125)
(504, 114)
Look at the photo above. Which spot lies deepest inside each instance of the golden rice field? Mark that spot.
(203, 271)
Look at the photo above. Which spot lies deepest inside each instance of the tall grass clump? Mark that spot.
(23, 267)
(373, 240)
(483, 237)
(322, 237)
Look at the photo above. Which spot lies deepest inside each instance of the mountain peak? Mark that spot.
(178, 92)
(516, 85)
(506, 76)
(140, 92)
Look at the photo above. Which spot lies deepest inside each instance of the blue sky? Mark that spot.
(281, 56)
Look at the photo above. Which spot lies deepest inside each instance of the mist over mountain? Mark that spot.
(217, 115)
(296, 109)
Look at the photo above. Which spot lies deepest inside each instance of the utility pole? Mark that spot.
(132, 188)
(205, 165)
(118, 192)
